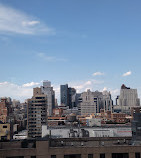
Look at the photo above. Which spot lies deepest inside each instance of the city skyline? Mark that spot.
(89, 45)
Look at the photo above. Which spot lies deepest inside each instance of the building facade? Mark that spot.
(6, 113)
(71, 97)
(5, 131)
(64, 95)
(136, 128)
(92, 102)
(3, 111)
(37, 113)
(67, 95)
(107, 101)
(128, 98)
(48, 90)
(71, 148)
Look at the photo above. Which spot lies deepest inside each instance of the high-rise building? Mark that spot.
(136, 127)
(92, 102)
(107, 101)
(67, 95)
(128, 98)
(71, 97)
(64, 95)
(48, 90)
(37, 113)
(15, 103)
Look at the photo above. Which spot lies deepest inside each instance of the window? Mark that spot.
(3, 138)
(73, 156)
(33, 156)
(4, 126)
(102, 155)
(53, 156)
(16, 157)
(137, 155)
(120, 155)
(90, 155)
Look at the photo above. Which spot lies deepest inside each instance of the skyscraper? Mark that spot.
(128, 98)
(71, 97)
(48, 90)
(67, 95)
(64, 95)
(107, 101)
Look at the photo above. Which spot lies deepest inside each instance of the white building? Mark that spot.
(128, 98)
(92, 102)
(107, 101)
(66, 132)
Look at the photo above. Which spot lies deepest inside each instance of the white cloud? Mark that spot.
(15, 91)
(3, 83)
(104, 89)
(127, 74)
(88, 83)
(14, 21)
(30, 23)
(50, 58)
(115, 92)
(84, 85)
(25, 91)
(31, 84)
(98, 74)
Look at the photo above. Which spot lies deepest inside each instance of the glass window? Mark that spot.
(102, 155)
(137, 155)
(120, 155)
(90, 155)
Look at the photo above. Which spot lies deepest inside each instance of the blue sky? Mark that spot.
(92, 44)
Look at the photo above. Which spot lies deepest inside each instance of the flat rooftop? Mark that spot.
(68, 142)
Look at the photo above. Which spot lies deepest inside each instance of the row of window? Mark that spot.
(20, 157)
(102, 155)
(79, 156)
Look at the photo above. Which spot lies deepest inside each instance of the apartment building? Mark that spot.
(36, 113)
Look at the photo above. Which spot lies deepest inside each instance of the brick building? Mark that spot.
(71, 148)
(5, 110)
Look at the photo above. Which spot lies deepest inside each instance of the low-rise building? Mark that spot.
(71, 148)
(93, 122)
(56, 120)
(57, 112)
(5, 132)
(72, 131)
(118, 117)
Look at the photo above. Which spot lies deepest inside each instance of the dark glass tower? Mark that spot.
(64, 92)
